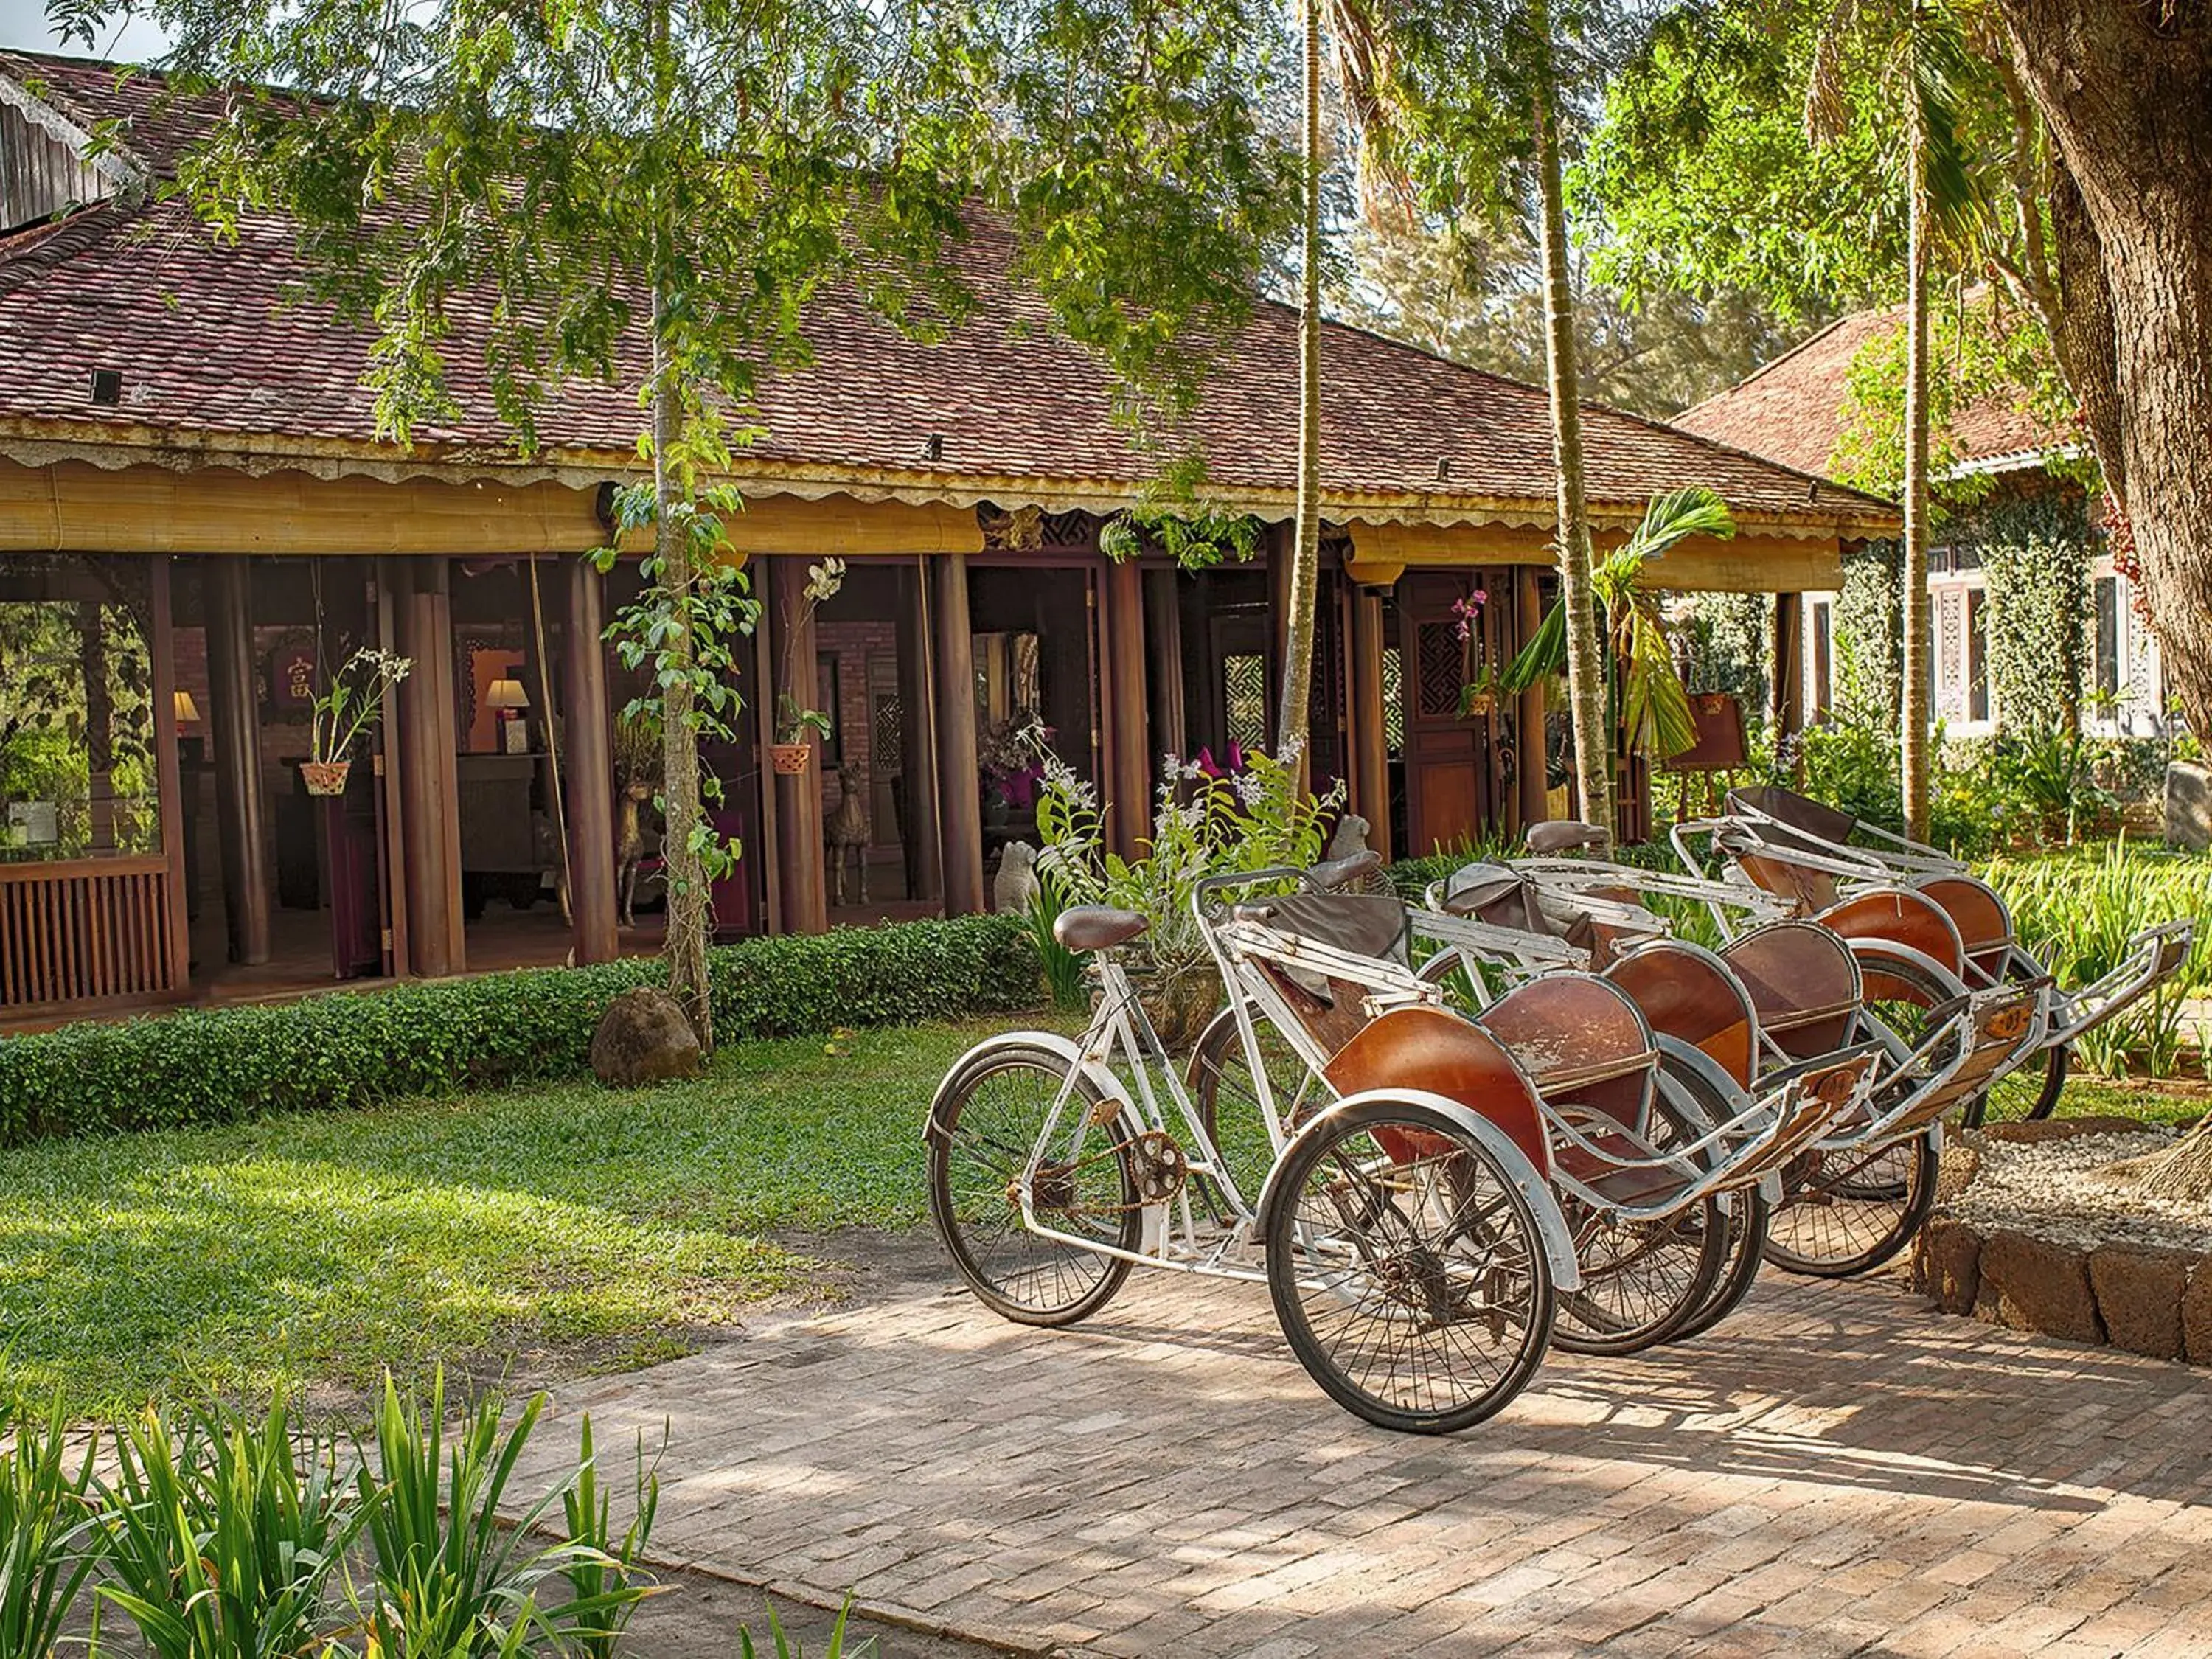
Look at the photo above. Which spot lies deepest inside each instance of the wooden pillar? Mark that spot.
(241, 803)
(1785, 699)
(427, 713)
(925, 869)
(959, 804)
(1128, 760)
(169, 773)
(1530, 783)
(588, 767)
(1163, 646)
(804, 894)
(1368, 728)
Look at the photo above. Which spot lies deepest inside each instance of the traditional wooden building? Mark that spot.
(198, 520)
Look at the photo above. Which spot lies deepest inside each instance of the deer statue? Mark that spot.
(629, 846)
(846, 830)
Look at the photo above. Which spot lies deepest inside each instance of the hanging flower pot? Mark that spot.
(1478, 701)
(325, 777)
(791, 759)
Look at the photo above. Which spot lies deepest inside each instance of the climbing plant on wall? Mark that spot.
(1725, 640)
(1869, 638)
(2035, 552)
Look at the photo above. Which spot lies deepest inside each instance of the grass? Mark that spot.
(536, 1231)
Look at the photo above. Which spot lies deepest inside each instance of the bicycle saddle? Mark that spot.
(1097, 927)
(1562, 835)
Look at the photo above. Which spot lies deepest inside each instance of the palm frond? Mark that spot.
(1374, 105)
(1942, 71)
(1827, 104)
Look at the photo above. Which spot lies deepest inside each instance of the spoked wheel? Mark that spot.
(1219, 1079)
(1641, 1280)
(1900, 994)
(1843, 1212)
(1746, 1223)
(981, 1140)
(2031, 1090)
(1407, 1268)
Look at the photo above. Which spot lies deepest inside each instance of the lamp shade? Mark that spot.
(506, 693)
(188, 712)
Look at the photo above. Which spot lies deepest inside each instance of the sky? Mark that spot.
(23, 26)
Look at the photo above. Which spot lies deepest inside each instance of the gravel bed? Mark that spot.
(2054, 1189)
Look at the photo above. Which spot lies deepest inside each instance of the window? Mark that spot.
(1977, 656)
(77, 761)
(2108, 636)
(1244, 694)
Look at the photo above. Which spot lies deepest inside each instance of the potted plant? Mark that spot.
(1478, 696)
(797, 723)
(351, 704)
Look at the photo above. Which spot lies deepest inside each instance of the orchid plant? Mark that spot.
(352, 702)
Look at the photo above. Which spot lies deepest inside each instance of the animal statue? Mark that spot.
(1349, 841)
(630, 848)
(846, 830)
(1015, 883)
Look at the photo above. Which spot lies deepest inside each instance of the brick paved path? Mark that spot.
(1832, 1471)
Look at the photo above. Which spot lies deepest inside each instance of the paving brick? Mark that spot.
(1835, 1471)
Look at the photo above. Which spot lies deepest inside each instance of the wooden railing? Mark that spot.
(87, 931)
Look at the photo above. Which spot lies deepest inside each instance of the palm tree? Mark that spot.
(1917, 56)
(1458, 94)
(1294, 712)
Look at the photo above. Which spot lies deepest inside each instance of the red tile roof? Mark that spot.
(1792, 409)
(209, 339)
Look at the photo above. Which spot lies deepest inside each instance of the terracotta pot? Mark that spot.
(791, 759)
(1480, 702)
(325, 777)
(1180, 1001)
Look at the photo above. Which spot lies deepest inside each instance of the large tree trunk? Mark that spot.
(1586, 681)
(2126, 91)
(1294, 713)
(1912, 695)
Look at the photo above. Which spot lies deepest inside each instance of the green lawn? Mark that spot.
(544, 1228)
(529, 1233)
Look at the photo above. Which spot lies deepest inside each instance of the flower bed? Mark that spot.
(2031, 1231)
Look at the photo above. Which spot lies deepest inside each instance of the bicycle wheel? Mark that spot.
(981, 1140)
(1407, 1268)
(1895, 1014)
(1745, 1234)
(1843, 1212)
(1641, 1280)
(1219, 1079)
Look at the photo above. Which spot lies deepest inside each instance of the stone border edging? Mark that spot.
(2146, 1299)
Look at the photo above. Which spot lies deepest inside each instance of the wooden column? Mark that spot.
(959, 804)
(588, 767)
(1163, 646)
(1528, 718)
(918, 775)
(161, 642)
(1128, 760)
(1370, 768)
(241, 803)
(1785, 697)
(804, 894)
(427, 713)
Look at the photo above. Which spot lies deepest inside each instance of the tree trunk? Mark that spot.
(1294, 713)
(2126, 92)
(690, 902)
(1912, 695)
(1586, 677)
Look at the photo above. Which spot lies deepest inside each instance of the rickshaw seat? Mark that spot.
(1900, 915)
(1441, 1053)
(1799, 812)
(1984, 926)
(1803, 984)
(1688, 995)
(1580, 1040)
(1563, 835)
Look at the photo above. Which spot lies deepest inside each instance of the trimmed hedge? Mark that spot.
(348, 1050)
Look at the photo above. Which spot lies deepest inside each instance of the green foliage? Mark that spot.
(451, 1580)
(1869, 636)
(1177, 518)
(2074, 913)
(1204, 826)
(353, 702)
(606, 1572)
(787, 1649)
(223, 1535)
(2035, 552)
(48, 1541)
(1727, 636)
(1063, 969)
(350, 1050)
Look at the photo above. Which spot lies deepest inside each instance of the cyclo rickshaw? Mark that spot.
(1409, 1212)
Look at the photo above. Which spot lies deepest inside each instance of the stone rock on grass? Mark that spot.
(1947, 1263)
(2061, 1129)
(2196, 1314)
(643, 1037)
(2139, 1297)
(2036, 1284)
